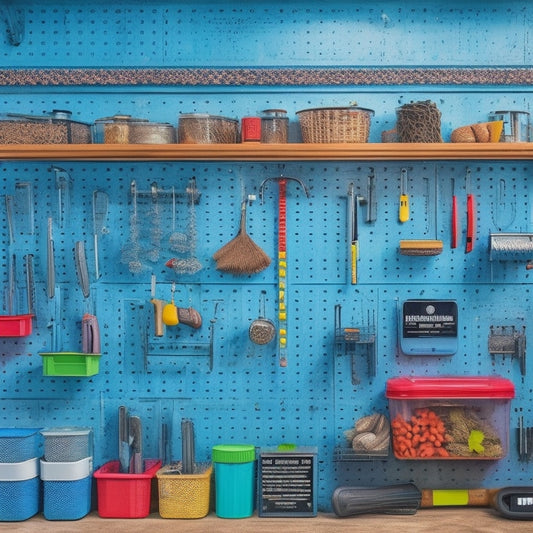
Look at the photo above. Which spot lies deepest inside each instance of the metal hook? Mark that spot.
(298, 180)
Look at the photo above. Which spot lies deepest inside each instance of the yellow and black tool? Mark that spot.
(354, 233)
(403, 214)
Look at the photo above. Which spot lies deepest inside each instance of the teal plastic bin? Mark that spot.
(234, 480)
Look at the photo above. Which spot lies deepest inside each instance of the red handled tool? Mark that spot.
(282, 260)
(470, 216)
(282, 271)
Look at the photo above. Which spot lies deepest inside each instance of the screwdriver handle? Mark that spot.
(403, 214)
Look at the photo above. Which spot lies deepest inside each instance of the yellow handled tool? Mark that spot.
(354, 238)
(403, 214)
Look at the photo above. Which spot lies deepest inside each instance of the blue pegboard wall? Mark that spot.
(246, 396)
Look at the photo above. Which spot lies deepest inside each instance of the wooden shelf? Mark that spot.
(267, 152)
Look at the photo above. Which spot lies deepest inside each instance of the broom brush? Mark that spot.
(241, 255)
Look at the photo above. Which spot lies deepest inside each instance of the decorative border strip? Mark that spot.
(266, 76)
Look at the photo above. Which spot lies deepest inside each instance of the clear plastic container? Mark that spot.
(54, 128)
(274, 126)
(124, 129)
(450, 417)
(201, 128)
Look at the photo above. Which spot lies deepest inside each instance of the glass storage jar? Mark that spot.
(274, 126)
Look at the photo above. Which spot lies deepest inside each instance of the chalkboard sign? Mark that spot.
(428, 327)
(288, 482)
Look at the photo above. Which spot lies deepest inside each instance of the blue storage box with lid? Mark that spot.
(19, 444)
(67, 489)
(19, 490)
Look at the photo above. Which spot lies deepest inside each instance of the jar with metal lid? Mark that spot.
(274, 126)
(55, 127)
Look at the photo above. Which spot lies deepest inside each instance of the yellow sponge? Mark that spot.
(421, 247)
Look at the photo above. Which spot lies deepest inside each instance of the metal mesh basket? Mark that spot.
(66, 445)
(335, 124)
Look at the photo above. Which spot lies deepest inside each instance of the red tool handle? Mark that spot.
(470, 222)
(454, 222)
(282, 272)
(282, 215)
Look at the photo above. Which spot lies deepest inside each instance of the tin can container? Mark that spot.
(251, 129)
(274, 126)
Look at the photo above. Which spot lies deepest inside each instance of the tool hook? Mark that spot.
(281, 177)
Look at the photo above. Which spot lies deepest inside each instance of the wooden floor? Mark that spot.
(450, 520)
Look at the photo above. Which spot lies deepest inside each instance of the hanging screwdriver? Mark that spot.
(455, 222)
(403, 214)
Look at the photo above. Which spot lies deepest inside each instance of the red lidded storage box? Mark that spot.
(122, 495)
(450, 417)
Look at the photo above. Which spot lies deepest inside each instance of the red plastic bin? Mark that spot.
(123, 495)
(15, 325)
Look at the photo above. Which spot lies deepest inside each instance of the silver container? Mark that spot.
(516, 127)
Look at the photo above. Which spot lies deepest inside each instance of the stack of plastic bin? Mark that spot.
(19, 474)
(66, 472)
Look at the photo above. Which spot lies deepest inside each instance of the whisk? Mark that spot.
(189, 264)
(178, 241)
(155, 232)
(131, 252)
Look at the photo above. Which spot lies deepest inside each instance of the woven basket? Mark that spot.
(184, 495)
(335, 124)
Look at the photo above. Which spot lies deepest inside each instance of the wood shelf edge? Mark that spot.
(269, 152)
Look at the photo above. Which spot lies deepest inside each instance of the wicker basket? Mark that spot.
(335, 124)
(184, 495)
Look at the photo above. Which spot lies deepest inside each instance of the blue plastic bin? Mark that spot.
(67, 489)
(20, 490)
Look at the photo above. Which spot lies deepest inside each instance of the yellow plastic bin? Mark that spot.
(184, 495)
